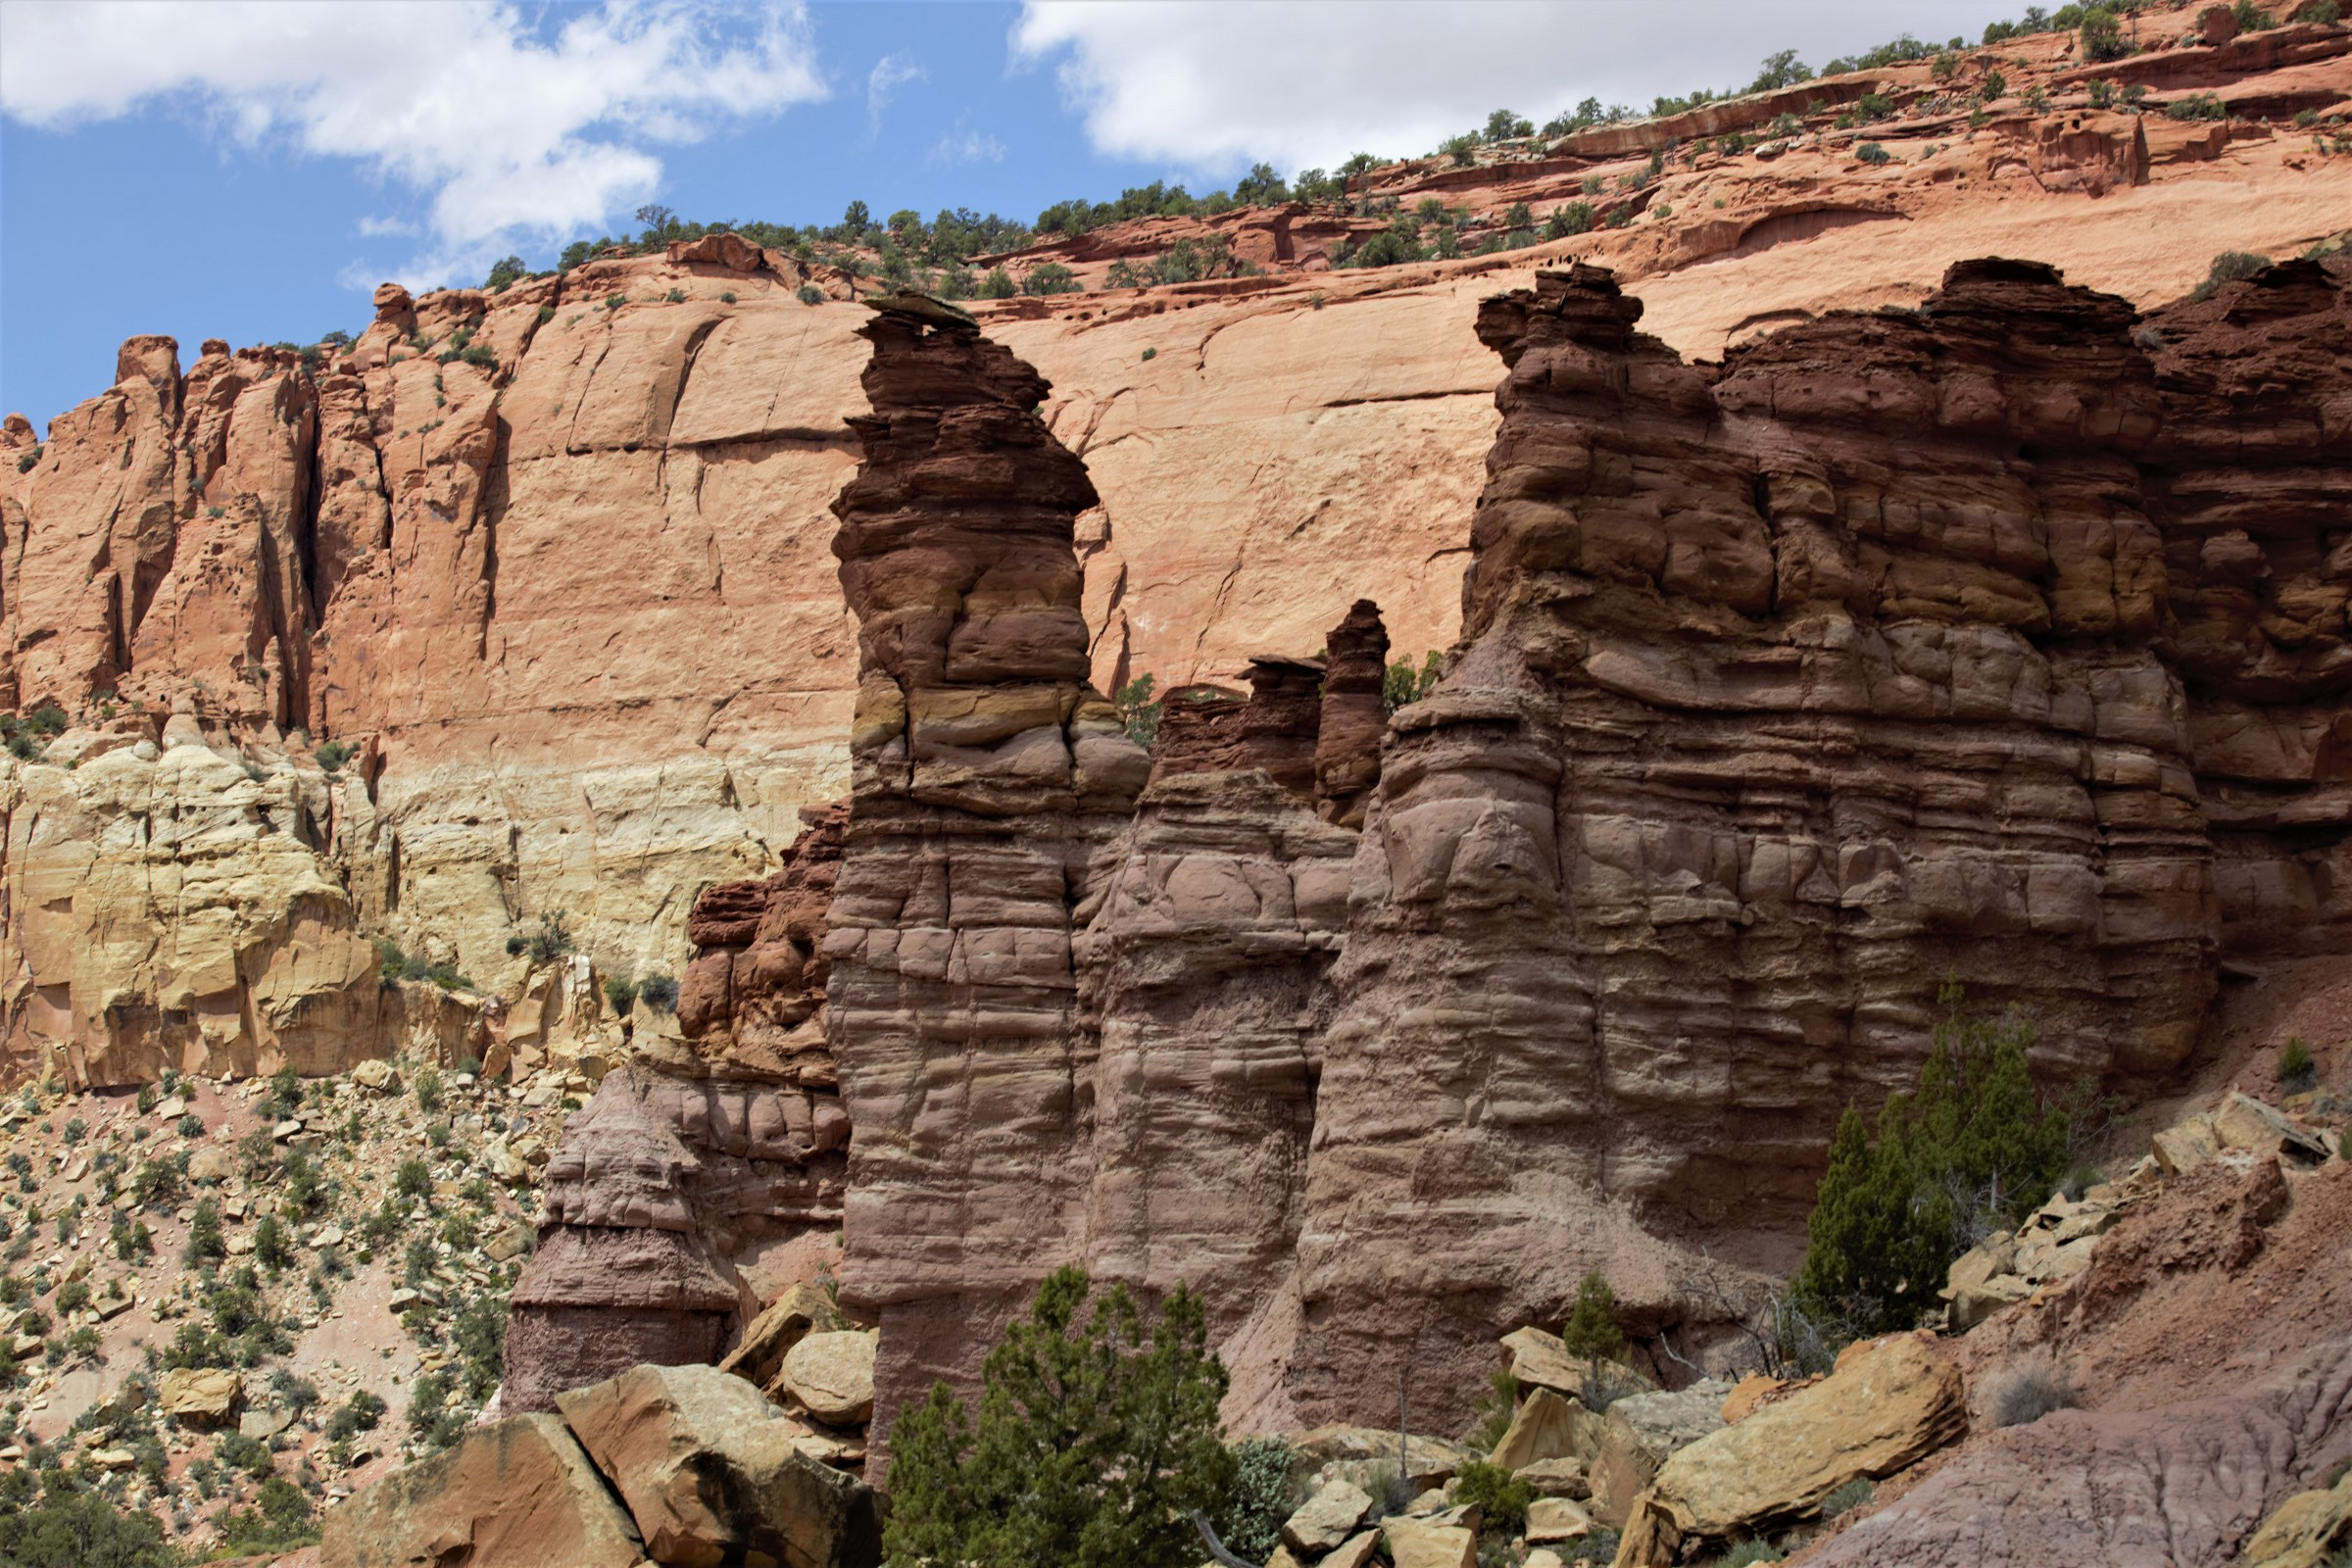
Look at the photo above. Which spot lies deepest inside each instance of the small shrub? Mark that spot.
(1151, 354)
(811, 294)
(1747, 1554)
(204, 1234)
(2296, 1070)
(2198, 106)
(76, 1131)
(1050, 277)
(1260, 1499)
(726, 296)
(2102, 94)
(2024, 1395)
(413, 1178)
(620, 993)
(1501, 1497)
(429, 1087)
(1402, 683)
(333, 754)
(659, 992)
(355, 1415)
(1569, 218)
(1139, 711)
(1870, 151)
(999, 284)
(269, 1245)
(2251, 17)
(676, 296)
(1854, 1495)
(2149, 338)
(1592, 1334)
(189, 1126)
(2231, 267)
(614, 302)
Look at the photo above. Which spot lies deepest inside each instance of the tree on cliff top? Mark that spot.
(1093, 1442)
(1974, 1148)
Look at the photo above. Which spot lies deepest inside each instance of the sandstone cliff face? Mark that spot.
(1878, 655)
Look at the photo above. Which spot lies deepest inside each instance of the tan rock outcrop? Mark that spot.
(517, 1493)
(2306, 1530)
(1889, 1404)
(1549, 1426)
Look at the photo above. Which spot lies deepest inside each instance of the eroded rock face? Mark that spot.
(987, 772)
(1877, 654)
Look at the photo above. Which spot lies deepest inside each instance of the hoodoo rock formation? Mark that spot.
(1888, 652)
(2001, 642)
(986, 772)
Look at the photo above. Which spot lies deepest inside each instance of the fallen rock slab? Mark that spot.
(1424, 1543)
(802, 1310)
(711, 1472)
(1548, 1426)
(1642, 1431)
(1326, 1519)
(521, 1494)
(1889, 1404)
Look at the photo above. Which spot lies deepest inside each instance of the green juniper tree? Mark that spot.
(1097, 1437)
(1975, 1147)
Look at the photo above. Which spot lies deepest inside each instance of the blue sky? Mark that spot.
(251, 170)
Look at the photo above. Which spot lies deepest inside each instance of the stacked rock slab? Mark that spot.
(1890, 651)
(1354, 717)
(986, 772)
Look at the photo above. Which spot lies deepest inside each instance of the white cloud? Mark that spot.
(882, 83)
(511, 133)
(961, 145)
(378, 228)
(1300, 83)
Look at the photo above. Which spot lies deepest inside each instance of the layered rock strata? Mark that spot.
(1890, 651)
(986, 772)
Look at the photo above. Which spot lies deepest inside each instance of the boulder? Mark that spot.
(211, 1163)
(803, 1310)
(1889, 1404)
(1642, 1431)
(832, 1376)
(2184, 1146)
(2245, 1122)
(518, 1494)
(1548, 1426)
(200, 1396)
(1357, 1450)
(711, 1472)
(1556, 1519)
(375, 1073)
(1356, 1552)
(1327, 1518)
(1425, 1543)
(1556, 1478)
(1540, 1359)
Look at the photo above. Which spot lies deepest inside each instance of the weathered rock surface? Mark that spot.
(1889, 1404)
(518, 1493)
(710, 1475)
(1326, 1519)
(2308, 1528)
(2184, 1482)
(204, 1397)
(1768, 669)
(1549, 1426)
